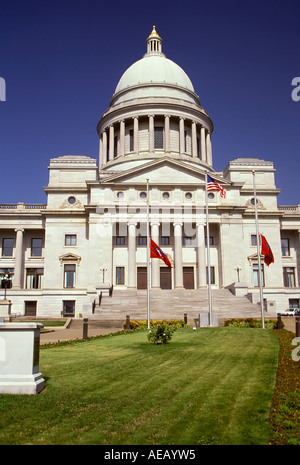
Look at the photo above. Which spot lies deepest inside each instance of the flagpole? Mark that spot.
(208, 256)
(260, 283)
(148, 259)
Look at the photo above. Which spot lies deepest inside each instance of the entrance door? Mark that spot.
(142, 277)
(188, 277)
(165, 278)
(30, 308)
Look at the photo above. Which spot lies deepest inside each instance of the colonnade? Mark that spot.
(177, 261)
(200, 138)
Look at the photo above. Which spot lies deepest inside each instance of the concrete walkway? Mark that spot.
(61, 333)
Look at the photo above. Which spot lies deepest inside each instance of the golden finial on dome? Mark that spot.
(153, 33)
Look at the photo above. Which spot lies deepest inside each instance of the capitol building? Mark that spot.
(86, 248)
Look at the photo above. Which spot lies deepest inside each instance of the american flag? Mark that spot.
(213, 185)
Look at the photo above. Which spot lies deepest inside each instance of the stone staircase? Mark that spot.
(173, 304)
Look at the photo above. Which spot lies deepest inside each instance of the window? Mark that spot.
(253, 240)
(211, 240)
(69, 275)
(212, 275)
(187, 240)
(7, 247)
(69, 308)
(188, 195)
(143, 195)
(255, 275)
(115, 146)
(289, 277)
(36, 247)
(131, 147)
(294, 303)
(120, 195)
(120, 240)
(120, 272)
(158, 138)
(71, 200)
(9, 272)
(166, 195)
(142, 240)
(285, 247)
(34, 278)
(70, 239)
(165, 240)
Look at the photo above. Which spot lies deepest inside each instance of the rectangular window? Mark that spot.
(142, 240)
(120, 275)
(131, 146)
(211, 240)
(294, 303)
(212, 275)
(187, 240)
(115, 146)
(34, 278)
(69, 308)
(9, 273)
(255, 275)
(70, 239)
(289, 277)
(69, 275)
(285, 247)
(36, 247)
(7, 247)
(120, 240)
(165, 240)
(158, 138)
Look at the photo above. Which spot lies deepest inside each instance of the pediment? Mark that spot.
(69, 258)
(162, 171)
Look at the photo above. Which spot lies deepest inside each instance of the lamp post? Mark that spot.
(5, 280)
(238, 269)
(103, 269)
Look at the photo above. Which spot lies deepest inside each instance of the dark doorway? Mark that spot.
(188, 277)
(142, 277)
(165, 278)
(30, 308)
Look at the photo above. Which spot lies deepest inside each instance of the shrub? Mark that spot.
(161, 333)
(251, 323)
(135, 324)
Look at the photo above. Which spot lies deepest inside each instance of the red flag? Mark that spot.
(266, 251)
(156, 252)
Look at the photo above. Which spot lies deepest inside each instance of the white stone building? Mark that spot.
(91, 234)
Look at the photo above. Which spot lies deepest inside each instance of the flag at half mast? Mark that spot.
(156, 252)
(266, 251)
(213, 185)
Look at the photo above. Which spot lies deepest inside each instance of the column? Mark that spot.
(181, 136)
(194, 140)
(104, 147)
(136, 134)
(202, 139)
(178, 273)
(208, 149)
(132, 255)
(111, 142)
(19, 259)
(151, 133)
(167, 133)
(201, 255)
(155, 262)
(122, 138)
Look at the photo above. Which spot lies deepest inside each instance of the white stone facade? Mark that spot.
(92, 230)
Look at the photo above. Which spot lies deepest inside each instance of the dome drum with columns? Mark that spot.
(154, 111)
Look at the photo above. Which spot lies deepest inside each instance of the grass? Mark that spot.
(212, 386)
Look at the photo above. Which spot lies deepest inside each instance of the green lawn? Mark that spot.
(212, 386)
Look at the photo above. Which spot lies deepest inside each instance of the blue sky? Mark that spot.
(62, 60)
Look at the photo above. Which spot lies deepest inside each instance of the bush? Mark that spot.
(251, 323)
(161, 333)
(134, 324)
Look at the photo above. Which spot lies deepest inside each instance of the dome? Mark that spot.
(154, 69)
(154, 76)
